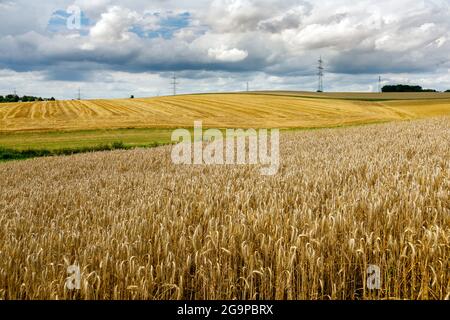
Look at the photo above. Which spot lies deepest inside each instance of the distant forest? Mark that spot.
(16, 98)
(407, 88)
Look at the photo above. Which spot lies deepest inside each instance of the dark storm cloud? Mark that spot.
(378, 62)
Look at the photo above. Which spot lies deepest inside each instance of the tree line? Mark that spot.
(16, 98)
(406, 88)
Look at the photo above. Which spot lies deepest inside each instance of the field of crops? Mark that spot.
(139, 226)
(364, 96)
(253, 110)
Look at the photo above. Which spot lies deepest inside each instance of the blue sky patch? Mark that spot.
(58, 23)
(168, 25)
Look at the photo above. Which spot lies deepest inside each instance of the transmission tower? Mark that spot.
(79, 93)
(320, 69)
(15, 92)
(248, 87)
(174, 83)
(379, 85)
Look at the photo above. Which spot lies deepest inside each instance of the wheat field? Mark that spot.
(140, 227)
(252, 110)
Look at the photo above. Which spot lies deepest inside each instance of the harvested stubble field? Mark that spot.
(140, 227)
(252, 110)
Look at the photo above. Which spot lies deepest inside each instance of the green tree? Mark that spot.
(12, 98)
(405, 88)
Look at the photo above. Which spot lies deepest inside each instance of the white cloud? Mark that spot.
(6, 4)
(277, 40)
(227, 55)
(92, 7)
(249, 15)
(115, 25)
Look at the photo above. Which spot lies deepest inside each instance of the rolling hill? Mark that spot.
(243, 110)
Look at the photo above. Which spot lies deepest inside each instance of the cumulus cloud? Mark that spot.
(6, 4)
(92, 6)
(251, 15)
(292, 19)
(227, 55)
(114, 25)
(281, 40)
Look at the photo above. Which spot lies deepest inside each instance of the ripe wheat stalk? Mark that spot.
(140, 227)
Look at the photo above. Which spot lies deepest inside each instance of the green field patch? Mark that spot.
(56, 140)
(25, 145)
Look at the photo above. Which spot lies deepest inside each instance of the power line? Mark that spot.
(320, 69)
(174, 83)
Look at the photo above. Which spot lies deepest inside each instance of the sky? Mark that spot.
(114, 49)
